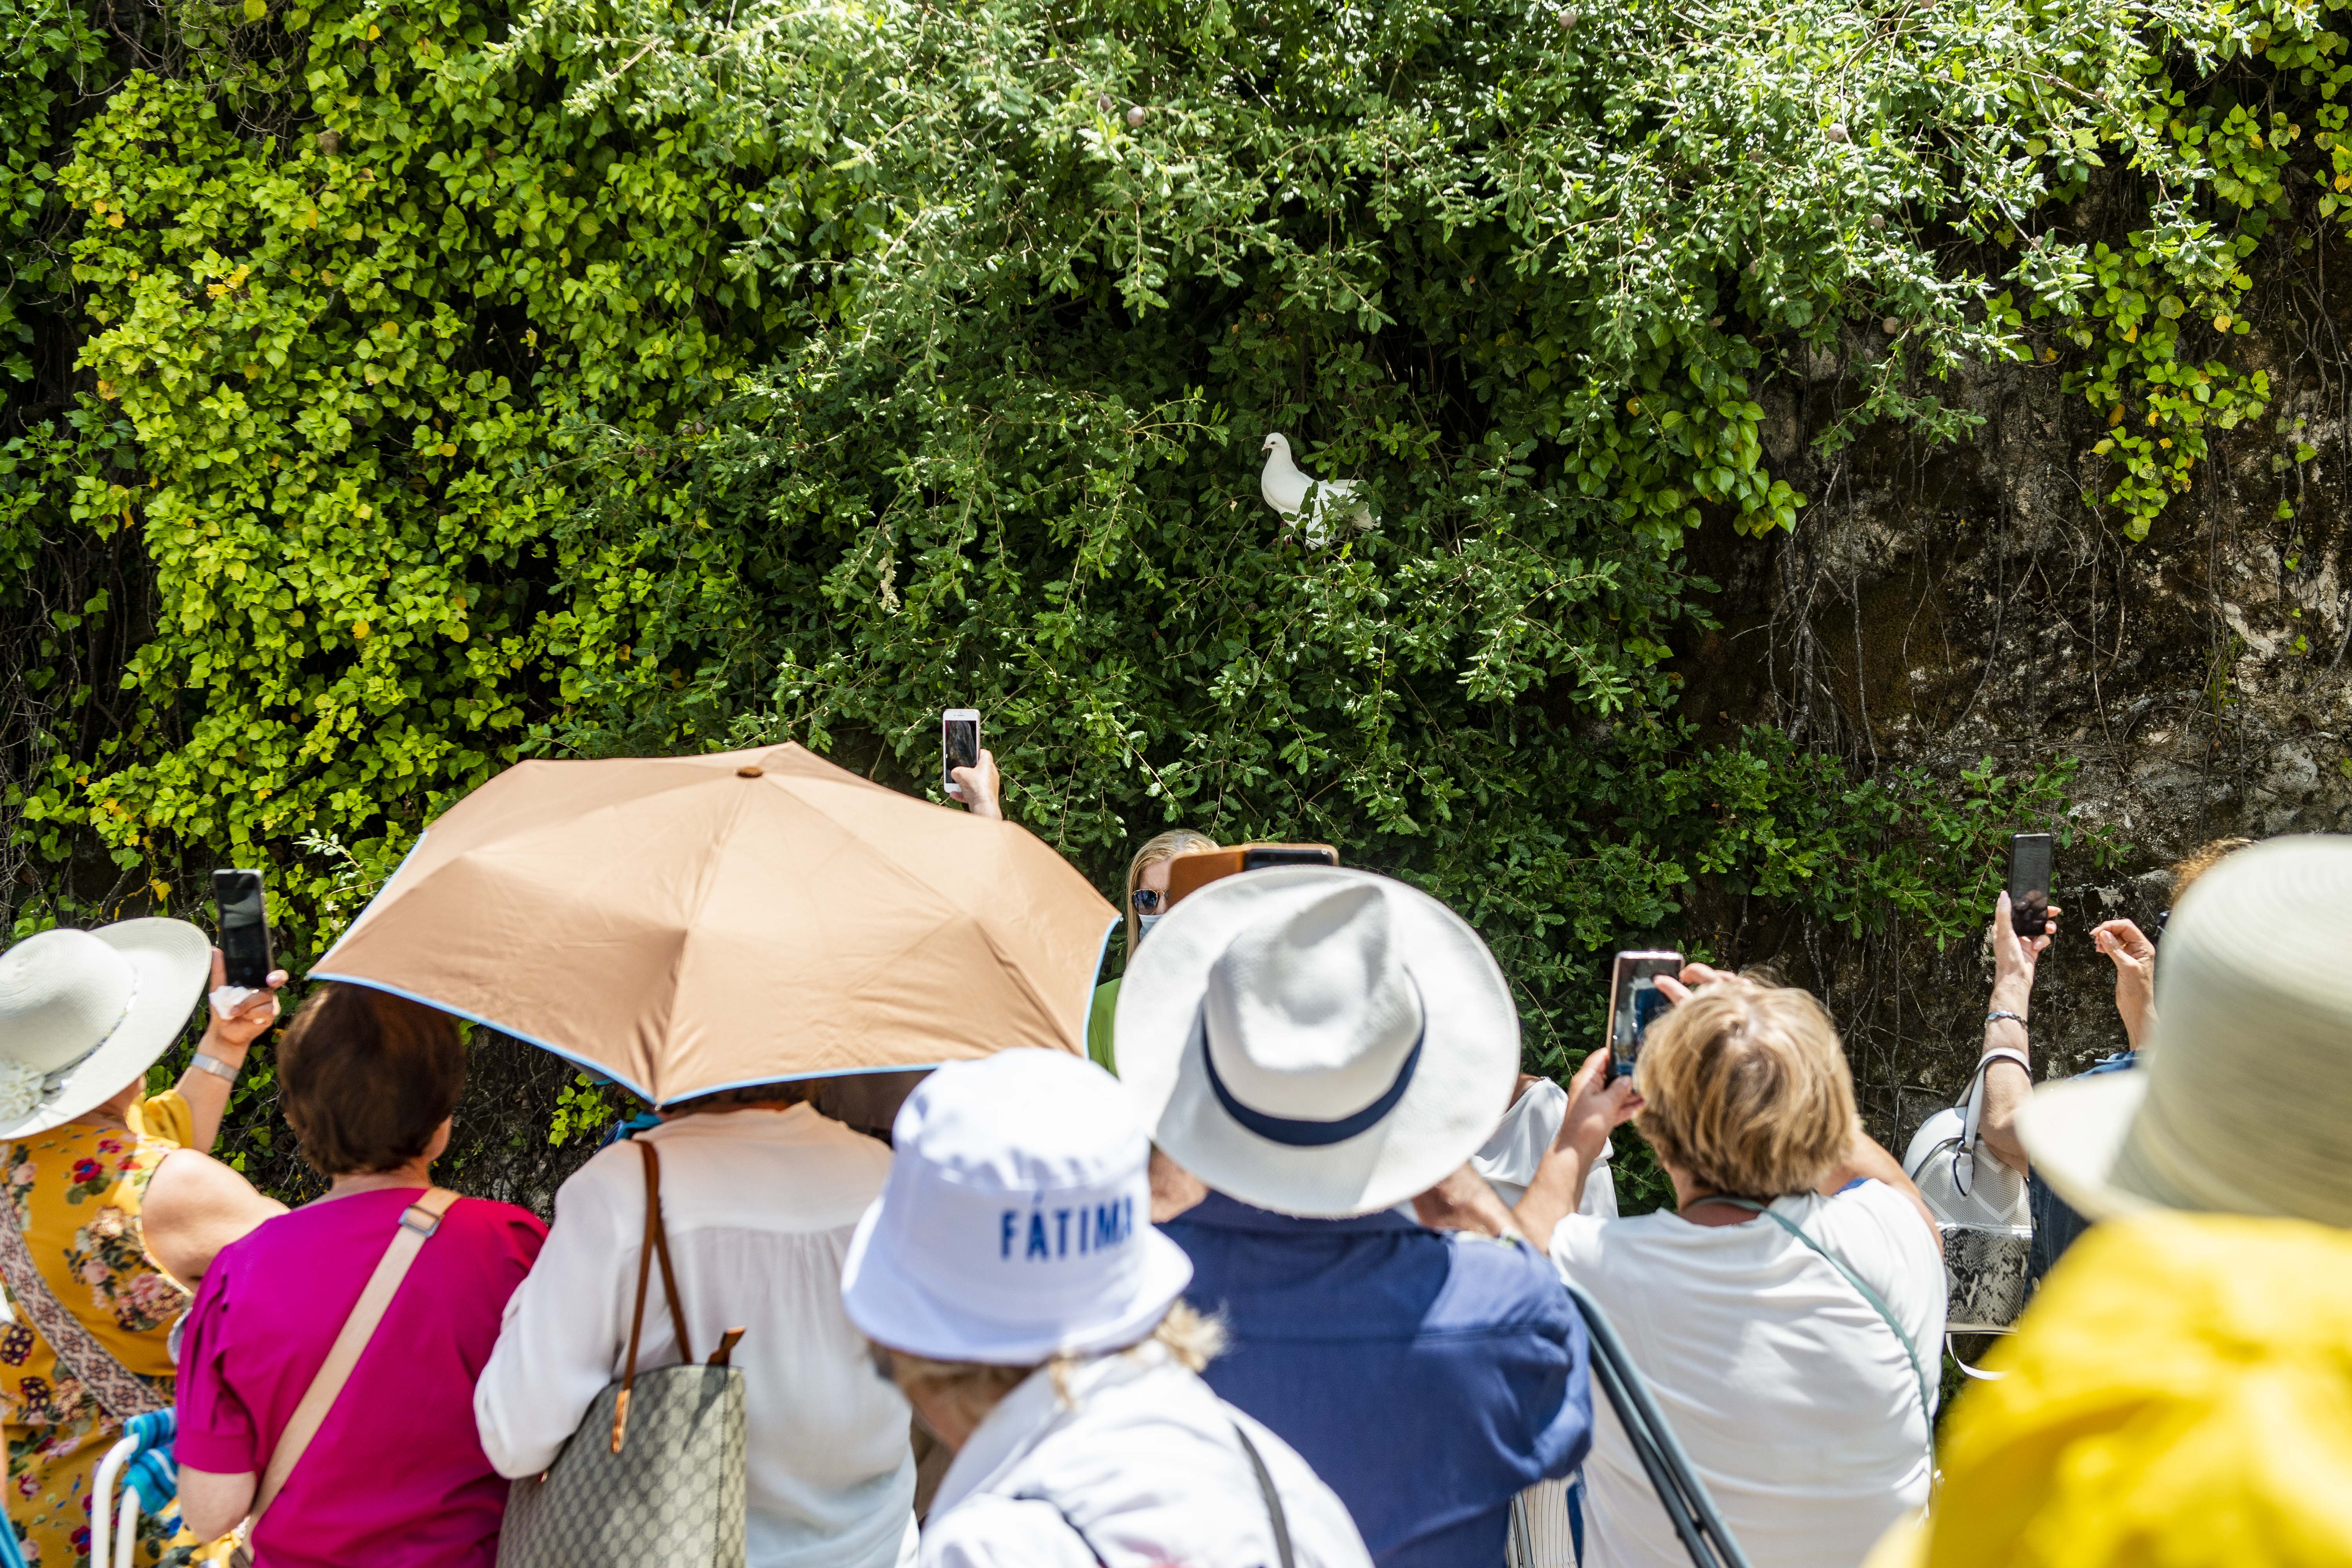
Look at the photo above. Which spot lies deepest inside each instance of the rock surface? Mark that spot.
(1935, 606)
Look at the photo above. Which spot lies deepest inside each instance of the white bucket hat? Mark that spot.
(1016, 1224)
(83, 1013)
(1317, 1041)
(2243, 1104)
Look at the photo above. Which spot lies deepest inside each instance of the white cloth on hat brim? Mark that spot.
(174, 963)
(1459, 1090)
(2073, 1131)
(893, 1309)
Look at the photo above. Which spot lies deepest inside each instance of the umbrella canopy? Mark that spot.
(689, 925)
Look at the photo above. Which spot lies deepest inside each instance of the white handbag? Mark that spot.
(1980, 1204)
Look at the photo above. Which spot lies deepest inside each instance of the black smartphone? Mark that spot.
(2029, 883)
(1635, 1002)
(958, 745)
(1258, 857)
(243, 928)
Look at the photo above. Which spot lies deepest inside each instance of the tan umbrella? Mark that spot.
(687, 924)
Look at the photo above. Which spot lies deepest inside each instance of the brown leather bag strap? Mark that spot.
(655, 1245)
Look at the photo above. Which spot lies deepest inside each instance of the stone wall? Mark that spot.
(1938, 606)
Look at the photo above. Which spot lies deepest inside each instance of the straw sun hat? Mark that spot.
(2245, 1104)
(83, 1013)
(1317, 1041)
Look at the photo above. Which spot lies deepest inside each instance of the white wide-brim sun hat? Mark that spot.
(83, 1013)
(1317, 1041)
(1015, 1226)
(2243, 1102)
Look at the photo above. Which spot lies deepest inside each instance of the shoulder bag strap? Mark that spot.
(1964, 1162)
(1272, 1499)
(1918, 1367)
(1975, 1099)
(655, 1245)
(418, 1220)
(120, 1392)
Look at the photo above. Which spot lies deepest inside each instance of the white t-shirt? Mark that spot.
(1797, 1405)
(1518, 1146)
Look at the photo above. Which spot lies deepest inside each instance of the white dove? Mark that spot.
(1311, 503)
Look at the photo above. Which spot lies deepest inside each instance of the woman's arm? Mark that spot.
(212, 1505)
(225, 1041)
(2007, 1085)
(2134, 957)
(1593, 1111)
(196, 1205)
(563, 1330)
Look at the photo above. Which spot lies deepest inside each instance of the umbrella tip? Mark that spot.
(747, 771)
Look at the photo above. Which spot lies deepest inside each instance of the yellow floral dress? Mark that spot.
(75, 1191)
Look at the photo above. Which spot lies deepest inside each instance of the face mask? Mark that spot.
(1143, 924)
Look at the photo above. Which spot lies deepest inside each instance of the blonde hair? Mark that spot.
(1159, 847)
(972, 1388)
(1747, 1090)
(2202, 859)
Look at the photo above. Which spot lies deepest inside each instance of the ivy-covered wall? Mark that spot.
(400, 389)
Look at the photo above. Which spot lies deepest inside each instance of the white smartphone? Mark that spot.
(958, 745)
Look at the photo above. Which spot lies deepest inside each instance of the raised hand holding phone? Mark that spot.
(2029, 883)
(959, 746)
(967, 769)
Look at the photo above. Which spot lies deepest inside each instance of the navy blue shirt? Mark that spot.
(1427, 1376)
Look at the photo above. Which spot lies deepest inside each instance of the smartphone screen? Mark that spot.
(243, 927)
(2029, 883)
(958, 745)
(1634, 1001)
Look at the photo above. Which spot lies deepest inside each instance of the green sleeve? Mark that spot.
(1098, 1023)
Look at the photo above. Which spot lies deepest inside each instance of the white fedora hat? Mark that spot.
(2243, 1104)
(1317, 1041)
(1016, 1223)
(84, 1012)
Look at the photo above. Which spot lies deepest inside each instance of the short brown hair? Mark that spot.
(365, 1077)
(1747, 1090)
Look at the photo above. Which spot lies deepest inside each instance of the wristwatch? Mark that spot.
(206, 1062)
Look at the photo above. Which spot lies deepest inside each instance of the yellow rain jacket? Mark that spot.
(2179, 1396)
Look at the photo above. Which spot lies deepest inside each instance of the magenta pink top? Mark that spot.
(397, 1476)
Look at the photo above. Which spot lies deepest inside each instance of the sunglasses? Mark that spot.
(1146, 900)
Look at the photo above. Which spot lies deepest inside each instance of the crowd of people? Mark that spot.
(1278, 1277)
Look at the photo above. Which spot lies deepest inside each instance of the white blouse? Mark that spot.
(759, 1206)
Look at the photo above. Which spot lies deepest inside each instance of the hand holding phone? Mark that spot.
(243, 928)
(1636, 1001)
(2029, 883)
(959, 746)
